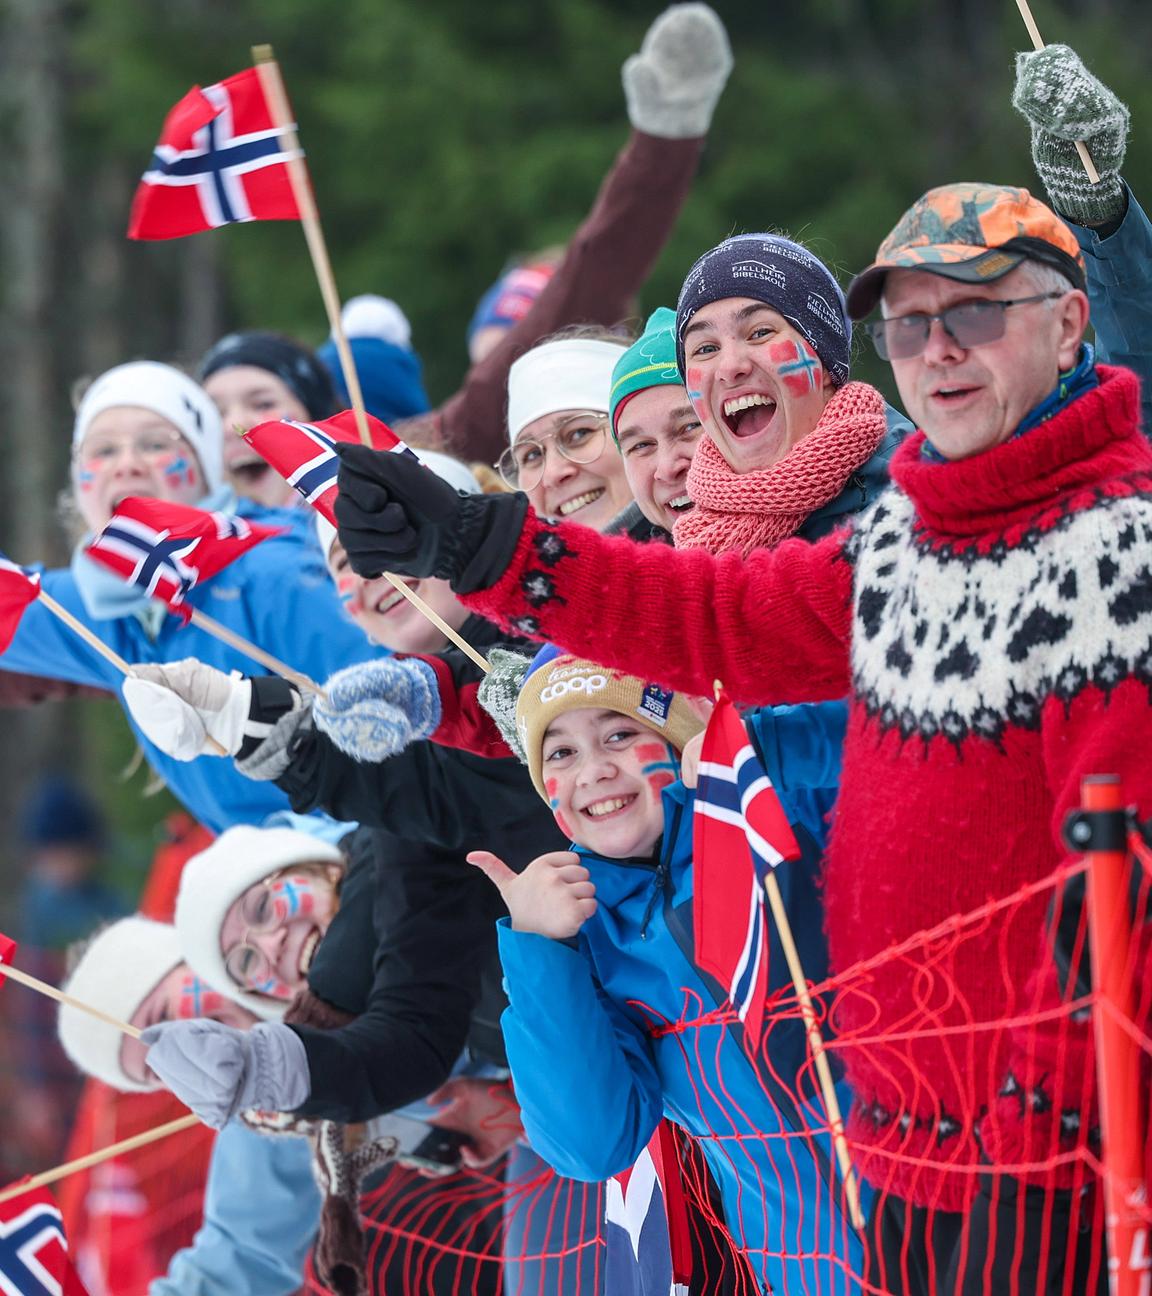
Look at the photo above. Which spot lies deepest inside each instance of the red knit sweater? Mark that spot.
(991, 620)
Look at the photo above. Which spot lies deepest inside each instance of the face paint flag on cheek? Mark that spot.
(551, 786)
(304, 454)
(165, 549)
(661, 765)
(798, 365)
(198, 999)
(296, 896)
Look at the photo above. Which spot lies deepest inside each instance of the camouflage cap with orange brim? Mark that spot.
(975, 233)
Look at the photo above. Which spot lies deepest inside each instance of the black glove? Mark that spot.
(395, 515)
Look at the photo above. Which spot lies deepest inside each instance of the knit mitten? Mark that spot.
(1063, 103)
(374, 710)
(673, 85)
(340, 1170)
(499, 691)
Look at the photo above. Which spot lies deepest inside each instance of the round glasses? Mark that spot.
(148, 446)
(969, 324)
(246, 964)
(580, 440)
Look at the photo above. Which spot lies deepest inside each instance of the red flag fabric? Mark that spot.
(304, 454)
(18, 587)
(740, 831)
(647, 1244)
(219, 160)
(166, 549)
(7, 953)
(33, 1249)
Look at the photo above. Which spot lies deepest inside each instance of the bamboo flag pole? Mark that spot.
(277, 96)
(42, 987)
(102, 1154)
(98, 644)
(819, 1053)
(1038, 43)
(213, 627)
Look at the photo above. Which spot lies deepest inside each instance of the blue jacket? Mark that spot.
(279, 595)
(592, 1080)
(1120, 292)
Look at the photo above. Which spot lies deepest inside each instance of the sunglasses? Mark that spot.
(970, 324)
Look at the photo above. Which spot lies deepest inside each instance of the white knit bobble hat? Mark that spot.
(148, 385)
(212, 882)
(117, 972)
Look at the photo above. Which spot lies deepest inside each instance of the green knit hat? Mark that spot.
(649, 362)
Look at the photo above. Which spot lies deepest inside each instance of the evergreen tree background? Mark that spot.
(443, 136)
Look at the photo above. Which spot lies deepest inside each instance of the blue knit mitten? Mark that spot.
(376, 709)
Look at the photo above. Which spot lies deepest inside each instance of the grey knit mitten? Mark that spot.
(498, 693)
(673, 85)
(1063, 103)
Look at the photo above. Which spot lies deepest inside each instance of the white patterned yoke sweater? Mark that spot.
(991, 621)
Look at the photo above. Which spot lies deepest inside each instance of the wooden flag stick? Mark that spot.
(277, 96)
(95, 642)
(102, 1154)
(42, 987)
(819, 1055)
(1038, 43)
(213, 627)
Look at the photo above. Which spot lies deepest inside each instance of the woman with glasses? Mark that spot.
(561, 453)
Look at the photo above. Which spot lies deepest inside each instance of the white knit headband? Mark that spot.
(573, 374)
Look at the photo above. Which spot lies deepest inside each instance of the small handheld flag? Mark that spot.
(7, 953)
(33, 1249)
(304, 454)
(740, 833)
(166, 549)
(19, 586)
(648, 1248)
(220, 160)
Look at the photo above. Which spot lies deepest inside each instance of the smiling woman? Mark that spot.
(252, 909)
(763, 339)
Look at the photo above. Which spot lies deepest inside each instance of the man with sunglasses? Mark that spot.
(991, 620)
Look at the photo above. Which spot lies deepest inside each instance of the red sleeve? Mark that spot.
(604, 267)
(464, 724)
(773, 628)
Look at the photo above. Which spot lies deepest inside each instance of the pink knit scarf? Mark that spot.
(756, 510)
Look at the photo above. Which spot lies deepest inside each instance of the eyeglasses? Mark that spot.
(247, 964)
(969, 324)
(149, 446)
(581, 440)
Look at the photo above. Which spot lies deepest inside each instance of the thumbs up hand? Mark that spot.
(553, 897)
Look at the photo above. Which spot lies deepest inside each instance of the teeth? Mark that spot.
(680, 502)
(306, 954)
(389, 601)
(600, 808)
(746, 402)
(580, 502)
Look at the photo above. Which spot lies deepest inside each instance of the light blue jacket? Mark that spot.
(592, 1078)
(278, 595)
(1120, 292)
(261, 1212)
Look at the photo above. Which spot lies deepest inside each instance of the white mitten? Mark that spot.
(181, 706)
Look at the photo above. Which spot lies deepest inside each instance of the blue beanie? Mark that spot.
(59, 812)
(772, 269)
(391, 377)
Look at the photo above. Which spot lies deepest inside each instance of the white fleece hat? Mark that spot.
(572, 374)
(148, 385)
(212, 882)
(119, 970)
(459, 476)
(371, 315)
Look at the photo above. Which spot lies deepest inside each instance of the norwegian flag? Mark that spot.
(304, 454)
(166, 548)
(7, 953)
(19, 586)
(740, 832)
(647, 1248)
(33, 1249)
(219, 160)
